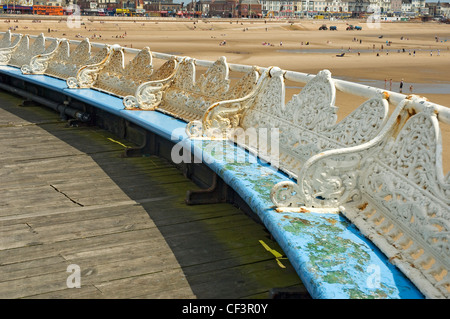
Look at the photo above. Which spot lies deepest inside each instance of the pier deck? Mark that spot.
(67, 196)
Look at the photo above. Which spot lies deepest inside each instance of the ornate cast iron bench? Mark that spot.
(57, 61)
(38, 63)
(64, 64)
(303, 127)
(116, 78)
(187, 98)
(393, 189)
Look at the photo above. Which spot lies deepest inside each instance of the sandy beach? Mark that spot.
(418, 53)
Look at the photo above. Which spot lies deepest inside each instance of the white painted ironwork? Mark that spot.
(8, 46)
(120, 79)
(148, 95)
(87, 75)
(39, 63)
(65, 64)
(189, 98)
(5, 42)
(25, 52)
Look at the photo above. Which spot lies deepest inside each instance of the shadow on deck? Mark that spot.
(76, 200)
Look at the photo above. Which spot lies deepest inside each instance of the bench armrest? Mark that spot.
(221, 118)
(149, 94)
(39, 63)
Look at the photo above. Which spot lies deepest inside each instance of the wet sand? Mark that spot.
(247, 42)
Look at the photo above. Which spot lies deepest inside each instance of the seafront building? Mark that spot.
(318, 9)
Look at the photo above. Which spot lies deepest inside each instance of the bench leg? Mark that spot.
(27, 102)
(147, 142)
(216, 193)
(134, 151)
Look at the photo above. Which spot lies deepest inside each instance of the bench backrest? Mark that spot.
(25, 52)
(87, 74)
(148, 95)
(39, 63)
(64, 63)
(188, 99)
(5, 42)
(8, 46)
(306, 125)
(120, 79)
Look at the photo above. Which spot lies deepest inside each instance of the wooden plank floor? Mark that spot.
(67, 197)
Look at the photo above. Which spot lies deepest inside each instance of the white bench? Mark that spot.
(8, 46)
(87, 74)
(120, 79)
(393, 189)
(187, 98)
(60, 63)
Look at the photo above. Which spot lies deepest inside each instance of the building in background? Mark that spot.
(317, 9)
(165, 8)
(17, 6)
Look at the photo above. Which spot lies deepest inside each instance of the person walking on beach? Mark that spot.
(401, 86)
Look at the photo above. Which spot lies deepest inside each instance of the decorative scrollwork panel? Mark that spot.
(25, 52)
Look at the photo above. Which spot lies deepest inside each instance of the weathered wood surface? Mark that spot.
(68, 197)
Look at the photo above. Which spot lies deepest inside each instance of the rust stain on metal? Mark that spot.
(363, 206)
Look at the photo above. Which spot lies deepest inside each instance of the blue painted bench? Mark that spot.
(332, 257)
